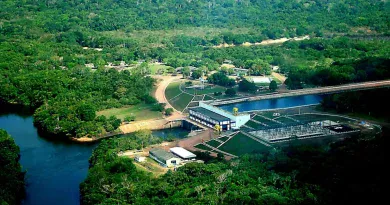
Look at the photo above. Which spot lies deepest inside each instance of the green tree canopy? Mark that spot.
(273, 86)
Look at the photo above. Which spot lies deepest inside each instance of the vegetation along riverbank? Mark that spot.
(12, 184)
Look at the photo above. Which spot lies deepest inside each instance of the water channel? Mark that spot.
(274, 103)
(55, 168)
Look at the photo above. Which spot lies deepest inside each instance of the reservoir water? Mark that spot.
(274, 103)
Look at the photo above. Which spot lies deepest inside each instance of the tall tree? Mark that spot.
(273, 86)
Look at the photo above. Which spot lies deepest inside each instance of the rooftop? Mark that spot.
(210, 114)
(161, 154)
(183, 153)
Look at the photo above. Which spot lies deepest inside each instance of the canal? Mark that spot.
(274, 103)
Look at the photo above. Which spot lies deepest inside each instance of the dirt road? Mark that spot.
(265, 42)
(160, 94)
(279, 77)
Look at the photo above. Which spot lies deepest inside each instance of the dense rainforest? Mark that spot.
(12, 185)
(350, 171)
(371, 104)
(45, 46)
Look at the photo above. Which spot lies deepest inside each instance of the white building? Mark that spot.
(210, 115)
(139, 159)
(164, 158)
(182, 153)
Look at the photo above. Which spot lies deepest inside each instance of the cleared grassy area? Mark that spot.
(193, 104)
(254, 125)
(285, 120)
(155, 67)
(141, 112)
(262, 84)
(202, 147)
(181, 102)
(206, 90)
(172, 90)
(241, 144)
(198, 98)
(150, 166)
(213, 143)
(278, 82)
(208, 98)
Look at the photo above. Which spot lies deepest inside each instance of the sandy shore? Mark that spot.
(83, 139)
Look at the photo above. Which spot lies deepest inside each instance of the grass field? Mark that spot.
(181, 102)
(150, 166)
(172, 90)
(213, 143)
(223, 138)
(206, 90)
(278, 82)
(265, 121)
(202, 147)
(141, 112)
(208, 98)
(241, 144)
(254, 125)
(155, 67)
(285, 120)
(263, 84)
(198, 97)
(193, 104)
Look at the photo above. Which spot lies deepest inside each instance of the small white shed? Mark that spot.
(139, 159)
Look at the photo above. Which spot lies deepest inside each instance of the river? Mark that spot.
(55, 168)
(274, 103)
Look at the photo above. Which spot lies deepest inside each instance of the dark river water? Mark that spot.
(274, 103)
(55, 168)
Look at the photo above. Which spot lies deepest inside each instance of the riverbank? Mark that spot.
(153, 125)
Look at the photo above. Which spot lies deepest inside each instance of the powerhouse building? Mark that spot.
(210, 116)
